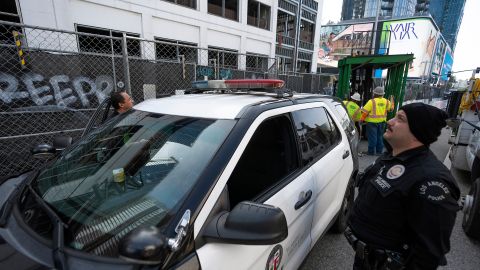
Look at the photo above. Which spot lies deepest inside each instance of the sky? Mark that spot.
(467, 55)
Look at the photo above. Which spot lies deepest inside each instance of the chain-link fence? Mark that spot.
(51, 81)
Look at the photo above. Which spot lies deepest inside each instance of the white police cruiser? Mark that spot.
(235, 174)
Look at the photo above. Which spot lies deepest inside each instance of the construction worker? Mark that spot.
(355, 113)
(374, 113)
(353, 107)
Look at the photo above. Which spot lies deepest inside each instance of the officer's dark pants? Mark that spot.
(375, 137)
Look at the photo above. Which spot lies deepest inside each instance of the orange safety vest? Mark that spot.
(375, 111)
(353, 109)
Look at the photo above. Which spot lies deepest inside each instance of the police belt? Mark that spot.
(391, 259)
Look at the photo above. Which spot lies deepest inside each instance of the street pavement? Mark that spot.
(332, 251)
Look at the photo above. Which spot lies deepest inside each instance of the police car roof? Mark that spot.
(216, 106)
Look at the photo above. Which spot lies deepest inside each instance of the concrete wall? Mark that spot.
(156, 18)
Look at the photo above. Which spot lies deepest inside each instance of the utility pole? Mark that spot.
(375, 26)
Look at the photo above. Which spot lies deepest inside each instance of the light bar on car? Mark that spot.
(239, 84)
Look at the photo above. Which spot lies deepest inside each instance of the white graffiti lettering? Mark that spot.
(9, 92)
(62, 97)
(29, 80)
(59, 89)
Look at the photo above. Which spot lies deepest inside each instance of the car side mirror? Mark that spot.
(61, 142)
(43, 151)
(453, 122)
(248, 223)
(144, 245)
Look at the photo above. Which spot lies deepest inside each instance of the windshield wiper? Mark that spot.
(58, 251)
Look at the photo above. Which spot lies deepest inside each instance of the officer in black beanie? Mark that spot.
(406, 207)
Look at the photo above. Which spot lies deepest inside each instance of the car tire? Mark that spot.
(345, 210)
(475, 173)
(471, 216)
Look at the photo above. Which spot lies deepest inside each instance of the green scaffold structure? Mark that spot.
(356, 75)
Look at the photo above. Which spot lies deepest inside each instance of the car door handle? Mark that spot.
(303, 200)
(346, 154)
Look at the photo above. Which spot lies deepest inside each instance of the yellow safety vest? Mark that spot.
(353, 110)
(376, 110)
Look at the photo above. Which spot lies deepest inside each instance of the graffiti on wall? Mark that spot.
(62, 90)
(223, 73)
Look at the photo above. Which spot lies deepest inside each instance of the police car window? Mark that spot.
(135, 170)
(316, 132)
(347, 123)
(269, 158)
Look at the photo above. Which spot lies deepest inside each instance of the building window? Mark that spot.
(307, 31)
(258, 15)
(257, 62)
(303, 67)
(224, 8)
(106, 45)
(169, 51)
(9, 13)
(185, 3)
(285, 24)
(285, 64)
(222, 57)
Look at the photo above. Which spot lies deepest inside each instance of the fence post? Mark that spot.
(114, 70)
(126, 68)
(182, 60)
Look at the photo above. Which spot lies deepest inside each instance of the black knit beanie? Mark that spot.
(425, 121)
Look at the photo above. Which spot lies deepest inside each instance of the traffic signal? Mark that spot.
(477, 70)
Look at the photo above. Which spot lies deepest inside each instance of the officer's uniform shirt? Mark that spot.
(407, 201)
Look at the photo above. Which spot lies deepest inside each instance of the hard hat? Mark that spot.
(356, 96)
(379, 90)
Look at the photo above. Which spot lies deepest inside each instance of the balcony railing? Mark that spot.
(306, 45)
(283, 4)
(284, 40)
(287, 52)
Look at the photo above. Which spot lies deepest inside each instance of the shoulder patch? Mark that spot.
(435, 191)
(395, 171)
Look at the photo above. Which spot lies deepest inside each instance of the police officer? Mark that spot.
(374, 113)
(406, 206)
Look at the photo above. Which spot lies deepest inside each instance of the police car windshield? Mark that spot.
(132, 171)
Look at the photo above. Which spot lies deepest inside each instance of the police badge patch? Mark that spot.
(434, 191)
(275, 258)
(395, 171)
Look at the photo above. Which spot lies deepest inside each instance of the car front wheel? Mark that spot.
(471, 211)
(346, 208)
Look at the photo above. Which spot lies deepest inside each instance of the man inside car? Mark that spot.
(121, 102)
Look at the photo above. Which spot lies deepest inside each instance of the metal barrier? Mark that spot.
(51, 81)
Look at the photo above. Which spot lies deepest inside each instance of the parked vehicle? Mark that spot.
(236, 174)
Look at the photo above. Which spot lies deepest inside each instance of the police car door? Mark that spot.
(326, 150)
(266, 169)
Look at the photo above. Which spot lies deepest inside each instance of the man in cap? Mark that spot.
(374, 113)
(406, 207)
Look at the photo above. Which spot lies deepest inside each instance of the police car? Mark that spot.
(235, 174)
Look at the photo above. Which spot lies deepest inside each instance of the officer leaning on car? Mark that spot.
(407, 202)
